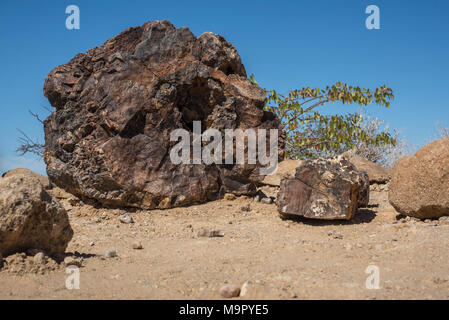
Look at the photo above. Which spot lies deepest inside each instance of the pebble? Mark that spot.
(210, 233)
(246, 208)
(137, 245)
(267, 200)
(91, 243)
(244, 290)
(230, 291)
(257, 198)
(338, 236)
(110, 254)
(70, 261)
(126, 218)
(229, 196)
(39, 258)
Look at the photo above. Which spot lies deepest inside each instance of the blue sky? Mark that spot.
(286, 44)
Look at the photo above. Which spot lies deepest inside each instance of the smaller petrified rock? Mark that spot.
(267, 200)
(376, 173)
(42, 179)
(126, 218)
(210, 233)
(229, 196)
(322, 189)
(137, 245)
(230, 291)
(110, 254)
(30, 217)
(70, 261)
(39, 258)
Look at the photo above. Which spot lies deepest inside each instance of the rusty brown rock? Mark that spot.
(325, 189)
(419, 185)
(116, 105)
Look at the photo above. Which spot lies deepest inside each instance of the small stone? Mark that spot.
(39, 258)
(257, 198)
(294, 295)
(229, 196)
(330, 232)
(126, 218)
(267, 200)
(210, 233)
(91, 243)
(110, 254)
(70, 261)
(137, 245)
(230, 291)
(338, 236)
(244, 290)
(246, 208)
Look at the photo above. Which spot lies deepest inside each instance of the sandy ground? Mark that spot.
(280, 259)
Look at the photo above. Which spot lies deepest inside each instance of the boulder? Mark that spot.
(43, 180)
(376, 173)
(419, 184)
(30, 218)
(116, 105)
(285, 167)
(325, 189)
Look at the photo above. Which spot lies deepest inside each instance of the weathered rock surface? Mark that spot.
(30, 218)
(42, 179)
(323, 189)
(376, 173)
(116, 105)
(419, 185)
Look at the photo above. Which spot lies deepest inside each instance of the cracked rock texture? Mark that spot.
(325, 189)
(116, 105)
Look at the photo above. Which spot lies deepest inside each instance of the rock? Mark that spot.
(91, 243)
(39, 258)
(321, 189)
(244, 290)
(363, 198)
(43, 180)
(30, 217)
(126, 218)
(285, 167)
(137, 245)
(419, 184)
(230, 291)
(246, 208)
(110, 254)
(376, 173)
(257, 198)
(266, 200)
(210, 233)
(229, 197)
(116, 106)
(70, 261)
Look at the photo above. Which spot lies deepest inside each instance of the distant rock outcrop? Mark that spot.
(116, 105)
(419, 185)
(29, 217)
(325, 189)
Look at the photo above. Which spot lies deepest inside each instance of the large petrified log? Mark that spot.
(116, 105)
